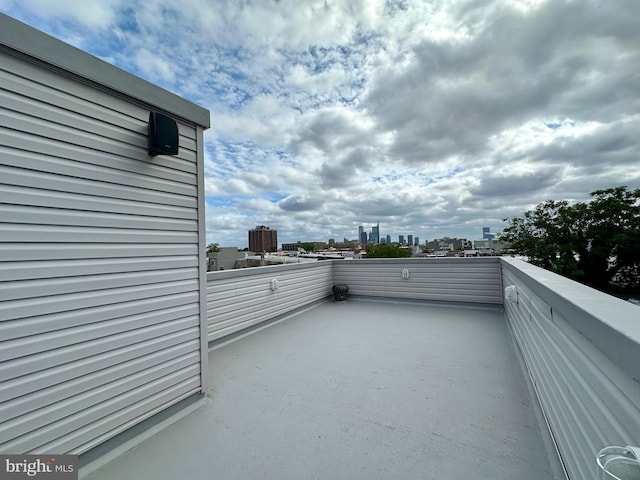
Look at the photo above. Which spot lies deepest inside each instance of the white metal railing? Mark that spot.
(460, 280)
(239, 299)
(582, 351)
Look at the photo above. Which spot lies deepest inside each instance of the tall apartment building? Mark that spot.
(263, 239)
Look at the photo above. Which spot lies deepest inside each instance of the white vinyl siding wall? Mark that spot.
(100, 318)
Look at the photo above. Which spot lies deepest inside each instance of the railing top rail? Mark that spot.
(267, 269)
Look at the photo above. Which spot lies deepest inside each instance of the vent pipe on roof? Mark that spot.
(340, 292)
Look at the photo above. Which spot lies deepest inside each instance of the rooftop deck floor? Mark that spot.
(359, 390)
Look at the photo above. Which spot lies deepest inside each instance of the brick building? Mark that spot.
(263, 239)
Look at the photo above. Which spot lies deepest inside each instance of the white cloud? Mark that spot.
(434, 118)
(155, 68)
(90, 13)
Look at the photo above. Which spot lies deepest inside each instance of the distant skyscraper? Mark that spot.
(401, 239)
(375, 234)
(409, 239)
(486, 233)
(388, 238)
(363, 238)
(263, 239)
(360, 231)
(416, 241)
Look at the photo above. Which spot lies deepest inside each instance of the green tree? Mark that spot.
(612, 231)
(308, 247)
(592, 243)
(385, 250)
(213, 247)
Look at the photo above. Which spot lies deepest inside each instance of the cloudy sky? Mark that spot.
(433, 117)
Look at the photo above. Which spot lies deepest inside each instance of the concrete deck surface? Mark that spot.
(359, 390)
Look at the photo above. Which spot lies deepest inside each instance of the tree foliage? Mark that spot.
(385, 250)
(308, 247)
(593, 243)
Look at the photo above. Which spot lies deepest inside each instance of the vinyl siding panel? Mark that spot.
(87, 186)
(590, 402)
(47, 438)
(74, 166)
(70, 268)
(20, 214)
(22, 233)
(81, 401)
(47, 396)
(474, 280)
(74, 301)
(118, 252)
(84, 360)
(243, 298)
(91, 203)
(100, 324)
(75, 284)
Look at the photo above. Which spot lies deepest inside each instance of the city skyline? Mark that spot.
(433, 118)
(259, 231)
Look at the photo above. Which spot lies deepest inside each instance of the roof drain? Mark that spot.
(340, 292)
